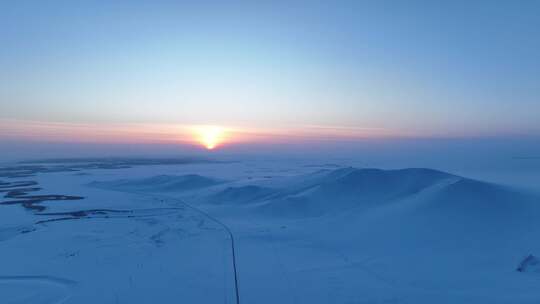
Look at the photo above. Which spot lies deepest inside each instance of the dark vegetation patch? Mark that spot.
(18, 193)
(104, 213)
(31, 168)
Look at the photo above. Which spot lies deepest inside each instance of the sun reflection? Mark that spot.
(210, 136)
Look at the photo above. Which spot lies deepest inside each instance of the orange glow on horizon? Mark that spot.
(210, 136)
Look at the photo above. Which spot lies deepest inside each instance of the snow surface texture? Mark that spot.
(302, 234)
(530, 263)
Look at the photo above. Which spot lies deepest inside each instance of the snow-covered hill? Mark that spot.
(161, 183)
(328, 192)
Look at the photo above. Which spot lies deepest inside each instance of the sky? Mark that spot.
(143, 70)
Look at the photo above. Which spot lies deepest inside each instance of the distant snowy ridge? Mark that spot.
(161, 183)
(333, 191)
(327, 192)
(241, 195)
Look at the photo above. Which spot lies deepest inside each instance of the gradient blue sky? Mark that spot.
(427, 68)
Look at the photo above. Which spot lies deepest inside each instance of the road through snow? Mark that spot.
(215, 220)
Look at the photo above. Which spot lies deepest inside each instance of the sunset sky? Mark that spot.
(154, 70)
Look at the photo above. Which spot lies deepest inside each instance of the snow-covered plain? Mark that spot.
(302, 232)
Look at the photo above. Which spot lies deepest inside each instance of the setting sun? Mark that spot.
(210, 136)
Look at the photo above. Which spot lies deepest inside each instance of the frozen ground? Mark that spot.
(304, 232)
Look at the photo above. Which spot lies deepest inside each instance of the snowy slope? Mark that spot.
(330, 192)
(331, 236)
(162, 183)
(369, 235)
